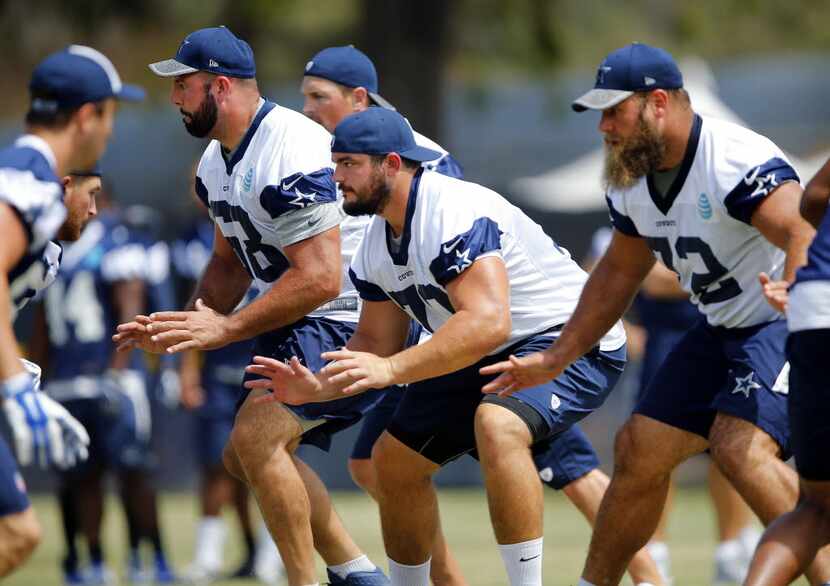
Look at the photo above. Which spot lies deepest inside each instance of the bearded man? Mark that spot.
(717, 204)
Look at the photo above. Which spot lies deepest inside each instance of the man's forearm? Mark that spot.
(605, 298)
(462, 341)
(799, 240)
(293, 296)
(222, 285)
(130, 300)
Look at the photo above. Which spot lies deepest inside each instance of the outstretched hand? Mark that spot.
(135, 334)
(517, 373)
(775, 292)
(290, 383)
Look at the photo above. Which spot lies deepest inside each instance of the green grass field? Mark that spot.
(466, 523)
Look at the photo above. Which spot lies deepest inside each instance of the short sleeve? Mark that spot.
(37, 203)
(620, 221)
(297, 191)
(458, 251)
(303, 223)
(758, 183)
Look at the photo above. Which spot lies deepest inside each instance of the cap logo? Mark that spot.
(101, 60)
(213, 63)
(309, 65)
(603, 69)
(649, 80)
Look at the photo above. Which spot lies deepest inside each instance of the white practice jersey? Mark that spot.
(28, 184)
(701, 228)
(353, 227)
(449, 225)
(275, 190)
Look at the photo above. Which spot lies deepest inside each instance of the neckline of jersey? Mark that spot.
(664, 202)
(401, 256)
(266, 107)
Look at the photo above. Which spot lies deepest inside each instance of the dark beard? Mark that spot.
(375, 200)
(204, 119)
(638, 156)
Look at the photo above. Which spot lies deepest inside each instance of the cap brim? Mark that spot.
(420, 154)
(170, 68)
(131, 93)
(380, 101)
(599, 99)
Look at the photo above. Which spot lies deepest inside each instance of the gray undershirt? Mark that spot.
(664, 179)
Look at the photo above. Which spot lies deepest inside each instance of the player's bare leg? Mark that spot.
(749, 458)
(444, 569)
(20, 534)
(331, 540)
(586, 494)
(263, 439)
(792, 541)
(731, 511)
(633, 503)
(407, 500)
(503, 441)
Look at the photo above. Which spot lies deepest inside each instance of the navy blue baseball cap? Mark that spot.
(75, 76)
(378, 131)
(634, 68)
(214, 50)
(350, 67)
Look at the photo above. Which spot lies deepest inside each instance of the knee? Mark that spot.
(231, 463)
(25, 534)
(362, 472)
(633, 452)
(499, 430)
(737, 446)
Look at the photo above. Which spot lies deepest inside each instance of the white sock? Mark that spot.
(583, 582)
(361, 564)
(268, 565)
(523, 562)
(403, 575)
(210, 543)
(729, 551)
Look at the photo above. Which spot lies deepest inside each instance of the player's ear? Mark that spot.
(360, 99)
(394, 162)
(222, 85)
(659, 101)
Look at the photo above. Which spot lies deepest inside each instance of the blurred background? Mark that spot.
(490, 80)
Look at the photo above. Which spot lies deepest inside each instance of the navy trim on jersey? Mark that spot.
(756, 186)
(202, 192)
(448, 166)
(459, 253)
(28, 159)
(367, 291)
(664, 202)
(622, 223)
(298, 191)
(401, 257)
(249, 135)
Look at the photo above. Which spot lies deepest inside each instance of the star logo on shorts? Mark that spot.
(745, 385)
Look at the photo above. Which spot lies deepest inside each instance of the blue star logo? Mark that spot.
(745, 385)
(462, 261)
(303, 199)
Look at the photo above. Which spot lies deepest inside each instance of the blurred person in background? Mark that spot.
(663, 314)
(101, 280)
(339, 81)
(210, 386)
(73, 96)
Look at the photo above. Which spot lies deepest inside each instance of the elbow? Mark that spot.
(495, 328)
(327, 286)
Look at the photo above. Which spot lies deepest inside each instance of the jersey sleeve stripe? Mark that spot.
(367, 291)
(756, 186)
(458, 253)
(621, 222)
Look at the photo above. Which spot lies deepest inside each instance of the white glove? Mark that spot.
(44, 432)
(131, 384)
